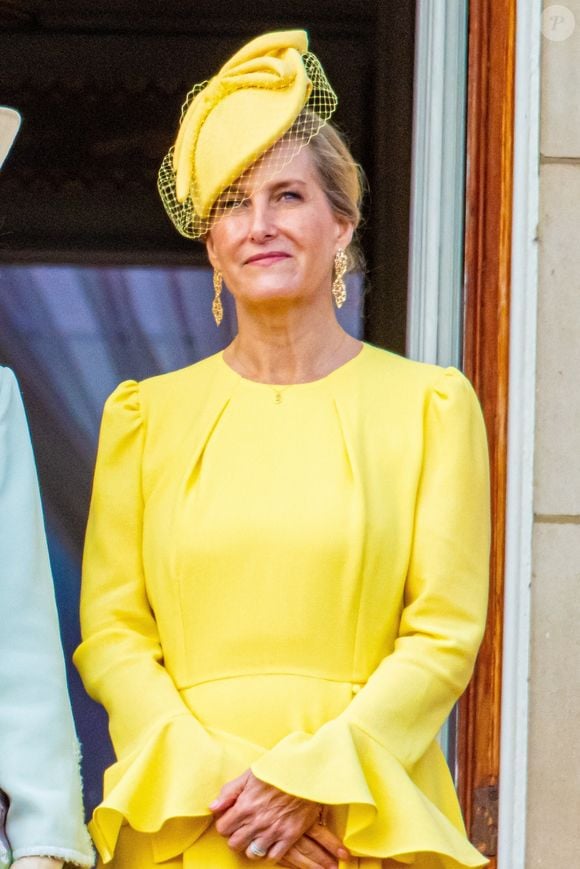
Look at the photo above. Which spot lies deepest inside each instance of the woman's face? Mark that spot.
(279, 244)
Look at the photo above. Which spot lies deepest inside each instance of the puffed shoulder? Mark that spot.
(134, 402)
(121, 423)
(450, 385)
(124, 403)
(454, 417)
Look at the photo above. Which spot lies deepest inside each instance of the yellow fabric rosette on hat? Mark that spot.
(244, 109)
(228, 123)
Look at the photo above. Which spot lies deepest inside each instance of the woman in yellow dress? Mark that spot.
(285, 572)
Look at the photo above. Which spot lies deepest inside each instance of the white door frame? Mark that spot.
(435, 323)
(435, 296)
(521, 424)
(435, 308)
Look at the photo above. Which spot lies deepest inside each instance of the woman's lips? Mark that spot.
(265, 259)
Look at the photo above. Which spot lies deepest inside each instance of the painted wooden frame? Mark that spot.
(488, 230)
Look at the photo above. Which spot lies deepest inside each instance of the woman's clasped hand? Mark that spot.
(265, 823)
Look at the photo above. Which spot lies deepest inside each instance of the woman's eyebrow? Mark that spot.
(240, 190)
(288, 182)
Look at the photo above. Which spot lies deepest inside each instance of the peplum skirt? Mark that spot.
(292, 731)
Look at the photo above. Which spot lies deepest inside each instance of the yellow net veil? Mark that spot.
(192, 209)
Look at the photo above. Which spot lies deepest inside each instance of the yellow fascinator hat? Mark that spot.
(272, 89)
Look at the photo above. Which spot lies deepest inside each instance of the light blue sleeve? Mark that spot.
(39, 767)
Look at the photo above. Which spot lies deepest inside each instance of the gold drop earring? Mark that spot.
(217, 308)
(338, 285)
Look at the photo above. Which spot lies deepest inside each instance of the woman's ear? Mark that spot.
(345, 233)
(211, 252)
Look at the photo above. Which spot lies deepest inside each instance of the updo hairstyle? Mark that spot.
(343, 182)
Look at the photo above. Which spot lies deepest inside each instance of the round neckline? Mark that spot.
(284, 386)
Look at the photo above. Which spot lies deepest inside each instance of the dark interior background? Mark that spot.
(100, 85)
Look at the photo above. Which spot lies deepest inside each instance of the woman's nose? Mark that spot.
(262, 225)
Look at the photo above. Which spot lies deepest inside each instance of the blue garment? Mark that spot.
(38, 746)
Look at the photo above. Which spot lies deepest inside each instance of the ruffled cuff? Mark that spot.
(392, 812)
(164, 786)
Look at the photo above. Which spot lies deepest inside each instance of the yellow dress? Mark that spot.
(292, 579)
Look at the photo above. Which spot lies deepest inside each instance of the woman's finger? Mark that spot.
(274, 840)
(266, 809)
(241, 838)
(245, 836)
(306, 854)
(229, 793)
(257, 849)
(329, 841)
(315, 852)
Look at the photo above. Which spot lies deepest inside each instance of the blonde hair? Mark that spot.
(342, 180)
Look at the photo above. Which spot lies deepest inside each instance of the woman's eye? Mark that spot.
(231, 200)
(290, 195)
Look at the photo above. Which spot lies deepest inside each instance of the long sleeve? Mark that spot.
(156, 737)
(120, 658)
(370, 757)
(409, 697)
(38, 747)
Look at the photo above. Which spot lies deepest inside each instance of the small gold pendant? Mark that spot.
(278, 398)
